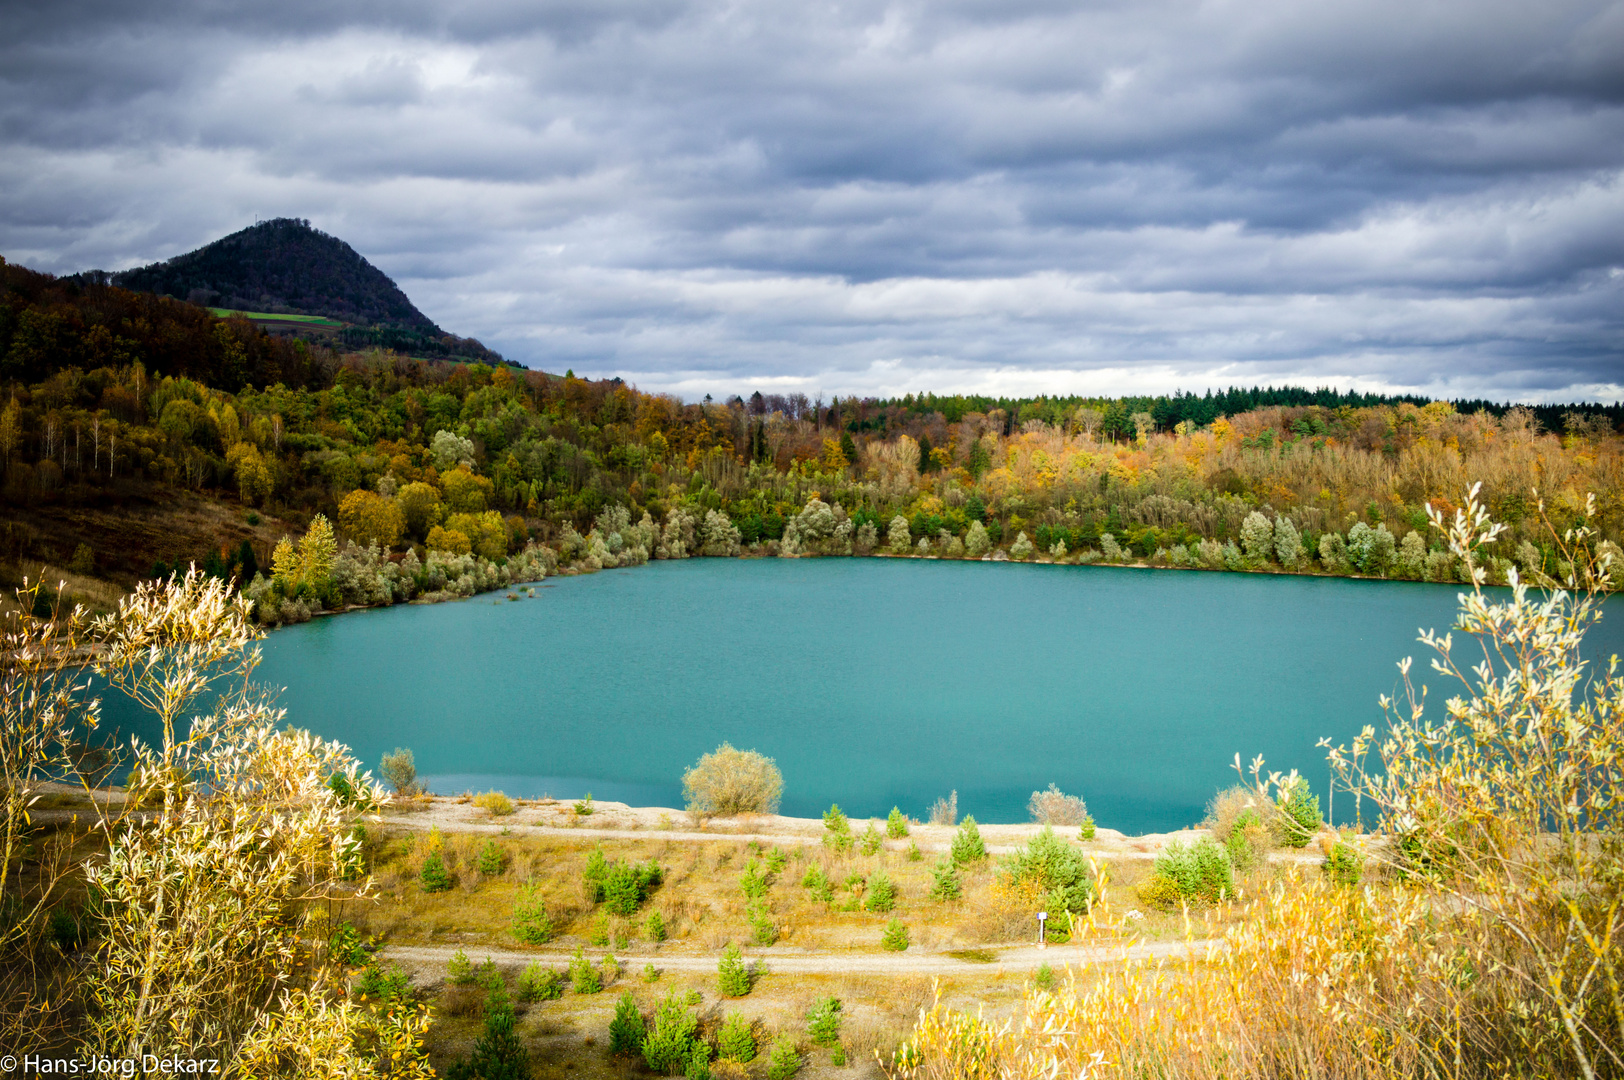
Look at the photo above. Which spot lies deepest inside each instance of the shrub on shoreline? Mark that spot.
(727, 782)
(1055, 807)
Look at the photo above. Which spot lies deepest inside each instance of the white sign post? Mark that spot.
(1042, 915)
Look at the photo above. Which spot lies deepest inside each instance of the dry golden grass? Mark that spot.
(704, 909)
(94, 593)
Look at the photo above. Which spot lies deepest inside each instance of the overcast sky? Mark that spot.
(1009, 196)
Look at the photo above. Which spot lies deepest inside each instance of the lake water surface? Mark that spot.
(873, 682)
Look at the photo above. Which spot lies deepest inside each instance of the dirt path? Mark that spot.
(797, 962)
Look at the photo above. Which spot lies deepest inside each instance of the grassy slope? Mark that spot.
(128, 527)
(271, 316)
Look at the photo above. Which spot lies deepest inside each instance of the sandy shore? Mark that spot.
(618, 820)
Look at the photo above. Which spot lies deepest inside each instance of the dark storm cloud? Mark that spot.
(1023, 196)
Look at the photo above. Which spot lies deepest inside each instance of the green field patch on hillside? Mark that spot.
(270, 316)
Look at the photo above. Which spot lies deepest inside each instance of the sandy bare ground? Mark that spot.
(618, 821)
(429, 961)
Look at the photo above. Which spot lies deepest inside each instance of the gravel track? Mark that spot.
(799, 962)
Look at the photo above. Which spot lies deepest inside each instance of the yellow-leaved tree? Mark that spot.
(236, 826)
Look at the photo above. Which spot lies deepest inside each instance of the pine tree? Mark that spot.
(247, 562)
(848, 447)
(896, 826)
(671, 1040)
(626, 1030)
(732, 977)
(489, 861)
(895, 937)
(434, 877)
(882, 892)
(967, 846)
(734, 1041)
(785, 1061)
(583, 976)
(498, 1053)
(823, 1021)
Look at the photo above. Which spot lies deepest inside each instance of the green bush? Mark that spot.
(1086, 830)
(837, 830)
(626, 1030)
(699, 1063)
(651, 974)
(823, 1021)
(895, 937)
(345, 946)
(495, 803)
(1200, 870)
(375, 983)
(597, 868)
(1044, 979)
(1062, 874)
(489, 975)
(598, 933)
(583, 976)
(531, 923)
(1344, 865)
(776, 861)
(914, 854)
(871, 840)
(785, 1059)
(459, 970)
(882, 892)
(1299, 813)
(671, 1040)
(1248, 839)
(625, 885)
(896, 826)
(490, 860)
(817, 884)
(726, 782)
(753, 883)
(654, 927)
(967, 846)
(584, 807)
(400, 772)
(433, 877)
(1160, 892)
(763, 931)
(537, 983)
(733, 979)
(945, 883)
(734, 1040)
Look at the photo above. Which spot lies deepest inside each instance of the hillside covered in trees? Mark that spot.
(284, 266)
(113, 398)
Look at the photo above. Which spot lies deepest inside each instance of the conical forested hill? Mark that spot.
(283, 266)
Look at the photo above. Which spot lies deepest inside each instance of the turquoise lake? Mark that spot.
(873, 682)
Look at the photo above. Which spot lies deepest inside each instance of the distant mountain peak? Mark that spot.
(286, 266)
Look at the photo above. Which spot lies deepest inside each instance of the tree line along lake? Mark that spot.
(876, 682)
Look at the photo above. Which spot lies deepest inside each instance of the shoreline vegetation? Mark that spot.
(140, 434)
